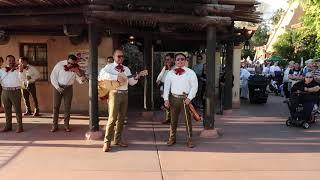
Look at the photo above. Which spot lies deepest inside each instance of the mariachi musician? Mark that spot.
(182, 85)
(10, 77)
(62, 78)
(28, 85)
(168, 65)
(118, 98)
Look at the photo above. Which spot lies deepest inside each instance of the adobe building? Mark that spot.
(47, 31)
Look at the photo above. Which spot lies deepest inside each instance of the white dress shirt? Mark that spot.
(162, 75)
(61, 77)
(179, 84)
(273, 69)
(32, 72)
(10, 78)
(109, 72)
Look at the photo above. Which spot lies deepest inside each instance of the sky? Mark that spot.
(271, 5)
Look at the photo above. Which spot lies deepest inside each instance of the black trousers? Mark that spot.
(31, 90)
(286, 89)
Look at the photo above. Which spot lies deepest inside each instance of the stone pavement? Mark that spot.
(255, 144)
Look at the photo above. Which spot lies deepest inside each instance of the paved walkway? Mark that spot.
(255, 144)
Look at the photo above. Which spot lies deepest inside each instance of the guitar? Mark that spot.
(105, 86)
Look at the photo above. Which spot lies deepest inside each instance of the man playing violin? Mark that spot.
(62, 78)
(10, 77)
(118, 99)
(180, 87)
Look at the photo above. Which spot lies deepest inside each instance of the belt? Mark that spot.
(179, 96)
(64, 86)
(11, 88)
(120, 91)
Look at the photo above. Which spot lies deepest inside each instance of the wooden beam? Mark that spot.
(41, 11)
(235, 2)
(160, 18)
(9, 21)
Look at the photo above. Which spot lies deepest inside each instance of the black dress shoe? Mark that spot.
(106, 147)
(19, 130)
(27, 113)
(121, 144)
(67, 129)
(54, 129)
(165, 122)
(171, 142)
(36, 114)
(6, 129)
(190, 144)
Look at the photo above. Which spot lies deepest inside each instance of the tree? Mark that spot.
(276, 17)
(284, 46)
(298, 43)
(311, 18)
(261, 36)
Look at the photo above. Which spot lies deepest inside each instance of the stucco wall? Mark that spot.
(58, 48)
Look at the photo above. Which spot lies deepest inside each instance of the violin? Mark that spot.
(15, 67)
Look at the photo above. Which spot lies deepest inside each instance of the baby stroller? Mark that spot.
(257, 85)
(275, 82)
(297, 116)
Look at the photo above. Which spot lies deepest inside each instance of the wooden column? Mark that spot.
(148, 64)
(229, 73)
(93, 78)
(210, 91)
(115, 41)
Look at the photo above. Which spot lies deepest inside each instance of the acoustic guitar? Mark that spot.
(105, 86)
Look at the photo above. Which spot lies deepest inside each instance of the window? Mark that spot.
(37, 56)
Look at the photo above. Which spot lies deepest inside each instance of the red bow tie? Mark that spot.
(10, 69)
(179, 71)
(120, 68)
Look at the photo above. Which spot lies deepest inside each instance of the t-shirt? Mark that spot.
(316, 72)
(309, 97)
(295, 71)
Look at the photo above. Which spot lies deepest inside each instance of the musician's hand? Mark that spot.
(137, 76)
(60, 90)
(121, 79)
(75, 70)
(187, 101)
(166, 104)
(20, 67)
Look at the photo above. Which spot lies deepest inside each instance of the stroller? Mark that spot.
(297, 117)
(257, 85)
(276, 82)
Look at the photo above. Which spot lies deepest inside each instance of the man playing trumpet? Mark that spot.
(118, 99)
(182, 85)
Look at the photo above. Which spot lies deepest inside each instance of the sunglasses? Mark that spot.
(180, 59)
(309, 77)
(120, 56)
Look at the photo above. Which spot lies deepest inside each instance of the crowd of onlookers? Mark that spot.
(281, 78)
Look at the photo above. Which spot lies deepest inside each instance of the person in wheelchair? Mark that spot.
(309, 89)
